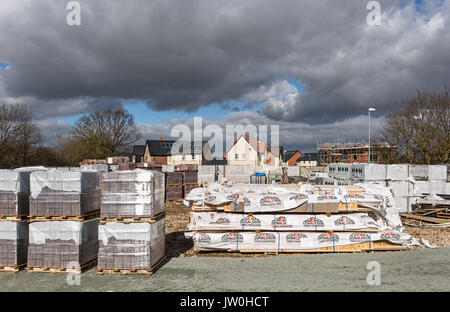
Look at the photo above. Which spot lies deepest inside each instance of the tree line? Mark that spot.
(95, 135)
(419, 127)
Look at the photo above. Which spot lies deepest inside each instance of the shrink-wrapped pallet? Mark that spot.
(437, 172)
(130, 246)
(397, 172)
(98, 167)
(60, 244)
(15, 191)
(64, 193)
(137, 193)
(368, 172)
(13, 243)
(418, 172)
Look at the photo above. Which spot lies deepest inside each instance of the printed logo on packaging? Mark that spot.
(265, 238)
(295, 237)
(210, 198)
(220, 221)
(359, 237)
(298, 197)
(270, 201)
(251, 221)
(203, 238)
(344, 220)
(281, 221)
(354, 196)
(328, 237)
(313, 222)
(326, 197)
(233, 197)
(232, 237)
(388, 236)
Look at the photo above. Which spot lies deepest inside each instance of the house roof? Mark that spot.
(306, 157)
(138, 150)
(258, 146)
(164, 147)
(288, 154)
(275, 150)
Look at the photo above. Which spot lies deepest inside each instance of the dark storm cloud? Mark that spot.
(185, 54)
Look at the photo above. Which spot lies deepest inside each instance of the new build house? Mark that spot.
(169, 152)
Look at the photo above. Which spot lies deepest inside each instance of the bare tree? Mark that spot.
(420, 128)
(19, 135)
(106, 133)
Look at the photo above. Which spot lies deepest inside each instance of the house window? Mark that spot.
(243, 156)
(236, 156)
(183, 157)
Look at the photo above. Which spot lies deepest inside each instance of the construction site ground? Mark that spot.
(425, 269)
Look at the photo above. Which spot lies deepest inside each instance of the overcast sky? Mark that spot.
(311, 67)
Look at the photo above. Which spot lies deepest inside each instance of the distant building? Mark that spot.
(354, 152)
(246, 150)
(291, 157)
(307, 160)
(137, 154)
(274, 155)
(169, 152)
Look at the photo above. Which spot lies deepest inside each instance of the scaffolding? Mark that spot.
(350, 152)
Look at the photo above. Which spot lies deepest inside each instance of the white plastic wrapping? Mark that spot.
(75, 231)
(437, 172)
(10, 230)
(368, 172)
(64, 180)
(295, 240)
(286, 222)
(397, 172)
(137, 231)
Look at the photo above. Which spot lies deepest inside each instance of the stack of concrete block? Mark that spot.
(174, 185)
(132, 229)
(14, 208)
(63, 193)
(132, 193)
(13, 244)
(62, 245)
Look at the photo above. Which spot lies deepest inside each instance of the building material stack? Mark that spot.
(118, 163)
(190, 177)
(64, 210)
(256, 218)
(14, 209)
(174, 185)
(406, 182)
(132, 229)
(94, 164)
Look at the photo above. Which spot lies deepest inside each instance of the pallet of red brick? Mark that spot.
(174, 178)
(185, 167)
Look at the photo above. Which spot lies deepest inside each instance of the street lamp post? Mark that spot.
(371, 109)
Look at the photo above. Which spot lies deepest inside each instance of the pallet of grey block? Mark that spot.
(13, 245)
(15, 192)
(62, 246)
(64, 193)
(134, 248)
(132, 194)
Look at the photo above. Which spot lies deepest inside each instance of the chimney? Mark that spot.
(161, 138)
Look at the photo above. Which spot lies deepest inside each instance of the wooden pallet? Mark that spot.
(135, 219)
(317, 208)
(13, 218)
(423, 218)
(124, 272)
(82, 269)
(353, 248)
(12, 269)
(85, 217)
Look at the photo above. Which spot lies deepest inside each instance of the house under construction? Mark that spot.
(380, 152)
